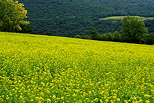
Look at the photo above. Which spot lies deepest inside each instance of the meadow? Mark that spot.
(121, 17)
(50, 69)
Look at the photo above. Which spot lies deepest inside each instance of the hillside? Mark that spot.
(71, 17)
(36, 68)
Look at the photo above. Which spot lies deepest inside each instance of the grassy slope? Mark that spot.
(121, 17)
(49, 69)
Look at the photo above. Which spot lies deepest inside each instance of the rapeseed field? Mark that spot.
(49, 69)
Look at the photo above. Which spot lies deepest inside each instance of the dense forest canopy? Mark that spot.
(71, 17)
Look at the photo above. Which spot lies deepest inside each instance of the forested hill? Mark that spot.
(70, 17)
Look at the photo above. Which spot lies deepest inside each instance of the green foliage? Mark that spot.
(70, 17)
(12, 14)
(107, 37)
(150, 39)
(85, 37)
(26, 28)
(133, 29)
(115, 36)
(77, 36)
(94, 34)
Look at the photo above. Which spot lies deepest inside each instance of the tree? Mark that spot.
(133, 29)
(26, 28)
(150, 39)
(94, 34)
(12, 14)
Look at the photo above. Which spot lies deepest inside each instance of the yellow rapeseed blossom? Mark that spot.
(39, 69)
(118, 99)
(125, 101)
(147, 101)
(62, 98)
(74, 95)
(146, 95)
(48, 100)
(54, 97)
(96, 99)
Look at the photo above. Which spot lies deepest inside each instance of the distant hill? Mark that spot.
(70, 17)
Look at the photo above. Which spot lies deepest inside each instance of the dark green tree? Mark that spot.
(133, 29)
(94, 34)
(12, 14)
(150, 39)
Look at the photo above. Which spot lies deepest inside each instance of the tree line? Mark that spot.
(133, 30)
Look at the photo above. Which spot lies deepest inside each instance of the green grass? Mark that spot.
(121, 17)
(50, 69)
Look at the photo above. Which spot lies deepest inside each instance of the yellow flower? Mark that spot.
(147, 101)
(32, 100)
(74, 95)
(89, 92)
(39, 102)
(106, 100)
(102, 92)
(140, 101)
(118, 99)
(101, 101)
(114, 97)
(39, 98)
(96, 99)
(111, 101)
(7, 97)
(125, 101)
(21, 97)
(76, 90)
(1, 99)
(146, 95)
(54, 97)
(48, 100)
(62, 98)
(133, 98)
